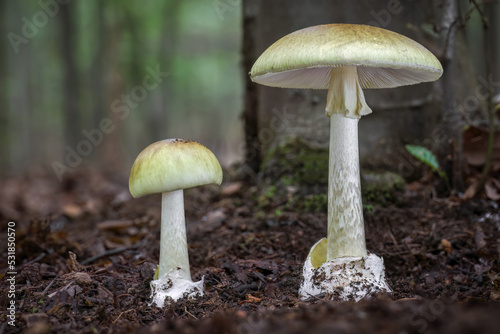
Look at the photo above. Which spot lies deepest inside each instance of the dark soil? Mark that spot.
(86, 252)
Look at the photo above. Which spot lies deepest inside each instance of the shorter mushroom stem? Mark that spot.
(346, 231)
(173, 244)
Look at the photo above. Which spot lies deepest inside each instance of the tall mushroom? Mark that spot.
(344, 59)
(168, 167)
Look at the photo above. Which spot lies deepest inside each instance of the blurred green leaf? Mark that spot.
(427, 157)
(424, 155)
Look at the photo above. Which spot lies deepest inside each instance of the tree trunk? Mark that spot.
(4, 119)
(493, 13)
(250, 112)
(98, 67)
(112, 154)
(457, 92)
(72, 119)
(20, 105)
(161, 96)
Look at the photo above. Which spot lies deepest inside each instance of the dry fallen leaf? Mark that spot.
(72, 262)
(470, 191)
(492, 187)
(72, 211)
(446, 245)
(231, 189)
(475, 143)
(251, 299)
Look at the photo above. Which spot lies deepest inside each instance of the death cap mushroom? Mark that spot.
(305, 58)
(173, 164)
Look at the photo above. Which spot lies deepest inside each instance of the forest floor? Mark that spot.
(86, 253)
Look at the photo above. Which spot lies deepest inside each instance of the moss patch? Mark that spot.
(295, 177)
(381, 188)
(296, 163)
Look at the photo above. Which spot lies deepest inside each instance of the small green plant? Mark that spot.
(368, 207)
(271, 191)
(427, 157)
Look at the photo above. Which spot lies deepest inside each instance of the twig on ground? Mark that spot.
(185, 309)
(48, 286)
(112, 252)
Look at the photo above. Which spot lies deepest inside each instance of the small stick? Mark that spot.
(48, 286)
(112, 252)
(185, 309)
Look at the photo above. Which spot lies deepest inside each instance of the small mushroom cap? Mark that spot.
(173, 164)
(303, 59)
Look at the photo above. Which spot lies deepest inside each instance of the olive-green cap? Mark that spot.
(173, 164)
(303, 59)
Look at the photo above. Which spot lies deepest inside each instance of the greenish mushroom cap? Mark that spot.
(304, 59)
(173, 164)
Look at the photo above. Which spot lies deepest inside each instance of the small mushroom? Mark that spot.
(168, 167)
(344, 59)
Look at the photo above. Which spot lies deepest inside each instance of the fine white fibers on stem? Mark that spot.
(173, 242)
(346, 231)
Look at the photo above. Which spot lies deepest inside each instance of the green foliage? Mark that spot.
(368, 207)
(424, 155)
(271, 191)
(427, 157)
(315, 203)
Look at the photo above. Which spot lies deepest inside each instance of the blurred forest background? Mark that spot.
(96, 81)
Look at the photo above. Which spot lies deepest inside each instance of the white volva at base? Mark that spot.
(172, 287)
(347, 278)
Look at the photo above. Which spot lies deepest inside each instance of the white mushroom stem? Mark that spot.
(345, 105)
(173, 244)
